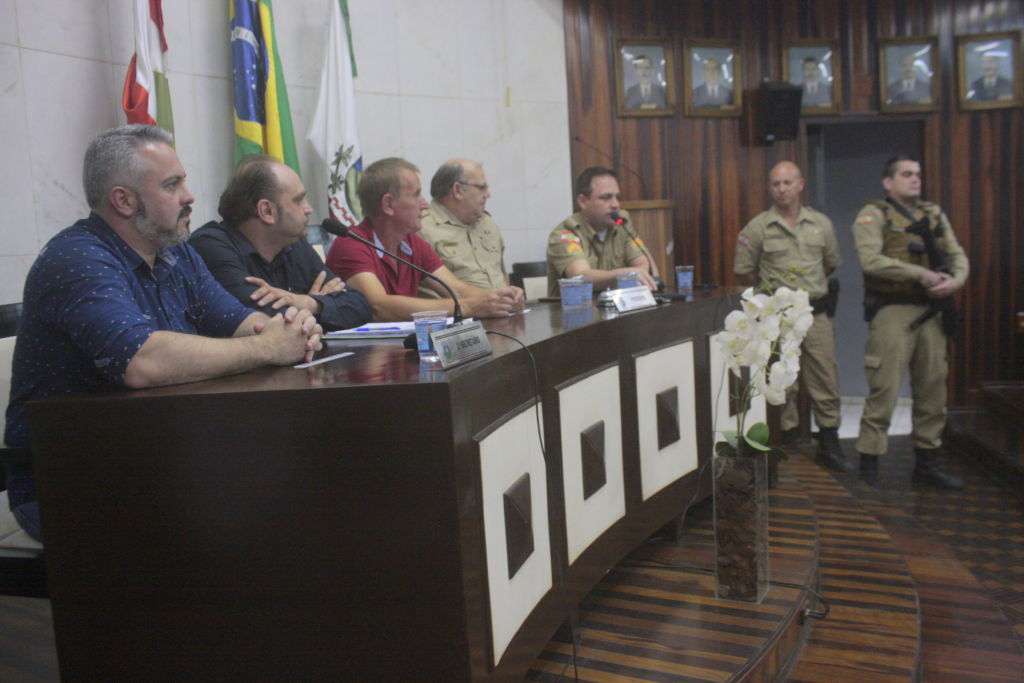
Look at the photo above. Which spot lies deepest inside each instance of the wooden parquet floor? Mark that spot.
(965, 552)
(655, 617)
(872, 632)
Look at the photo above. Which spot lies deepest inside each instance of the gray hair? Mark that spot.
(445, 178)
(112, 159)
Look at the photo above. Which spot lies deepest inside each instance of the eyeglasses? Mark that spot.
(480, 186)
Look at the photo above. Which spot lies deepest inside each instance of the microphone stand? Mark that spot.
(621, 222)
(338, 229)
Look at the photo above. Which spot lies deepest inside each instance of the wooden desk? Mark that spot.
(353, 520)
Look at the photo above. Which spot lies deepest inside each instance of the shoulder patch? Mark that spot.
(568, 236)
(865, 219)
(742, 239)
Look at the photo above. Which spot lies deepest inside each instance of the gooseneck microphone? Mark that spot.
(621, 222)
(339, 229)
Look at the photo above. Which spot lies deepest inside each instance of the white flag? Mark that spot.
(333, 129)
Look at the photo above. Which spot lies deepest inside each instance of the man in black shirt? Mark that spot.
(259, 254)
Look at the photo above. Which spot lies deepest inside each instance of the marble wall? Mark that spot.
(437, 78)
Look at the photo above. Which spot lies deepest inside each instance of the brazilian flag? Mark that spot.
(263, 120)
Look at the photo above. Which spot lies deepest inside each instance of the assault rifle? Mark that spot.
(937, 262)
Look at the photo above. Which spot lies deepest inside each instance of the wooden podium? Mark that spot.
(372, 518)
(652, 219)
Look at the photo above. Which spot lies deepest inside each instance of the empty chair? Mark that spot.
(532, 277)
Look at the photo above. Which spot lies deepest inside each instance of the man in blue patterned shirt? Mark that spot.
(118, 300)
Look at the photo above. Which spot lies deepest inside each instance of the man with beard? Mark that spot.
(259, 252)
(117, 300)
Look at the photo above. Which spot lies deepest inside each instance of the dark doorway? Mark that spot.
(844, 171)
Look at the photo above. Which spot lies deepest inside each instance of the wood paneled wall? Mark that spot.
(972, 161)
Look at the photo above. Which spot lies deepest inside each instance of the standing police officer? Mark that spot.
(795, 246)
(912, 266)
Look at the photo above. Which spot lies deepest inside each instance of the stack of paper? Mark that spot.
(376, 331)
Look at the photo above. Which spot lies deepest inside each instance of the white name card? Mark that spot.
(461, 343)
(633, 298)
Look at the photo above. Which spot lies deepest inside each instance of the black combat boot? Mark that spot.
(789, 438)
(829, 453)
(869, 469)
(928, 470)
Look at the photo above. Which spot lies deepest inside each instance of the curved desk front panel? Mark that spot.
(371, 518)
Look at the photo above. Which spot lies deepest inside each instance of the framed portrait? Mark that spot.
(988, 70)
(645, 78)
(908, 78)
(813, 65)
(712, 75)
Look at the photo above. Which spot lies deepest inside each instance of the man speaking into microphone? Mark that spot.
(596, 242)
(391, 195)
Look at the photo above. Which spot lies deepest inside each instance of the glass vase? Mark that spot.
(741, 525)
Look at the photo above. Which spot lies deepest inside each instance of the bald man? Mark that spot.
(459, 228)
(795, 246)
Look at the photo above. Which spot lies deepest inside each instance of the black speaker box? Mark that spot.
(777, 111)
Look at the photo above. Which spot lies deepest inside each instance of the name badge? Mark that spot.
(633, 298)
(461, 344)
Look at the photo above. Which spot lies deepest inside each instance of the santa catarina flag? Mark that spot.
(146, 97)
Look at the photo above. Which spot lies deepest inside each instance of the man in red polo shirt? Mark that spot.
(390, 194)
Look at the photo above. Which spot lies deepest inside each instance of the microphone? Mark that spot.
(621, 222)
(339, 229)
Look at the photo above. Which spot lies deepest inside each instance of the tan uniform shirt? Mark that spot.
(798, 259)
(869, 237)
(575, 239)
(475, 254)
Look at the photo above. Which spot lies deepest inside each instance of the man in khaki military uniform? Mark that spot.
(459, 228)
(900, 283)
(589, 243)
(795, 246)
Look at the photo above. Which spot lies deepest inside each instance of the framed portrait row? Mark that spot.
(989, 75)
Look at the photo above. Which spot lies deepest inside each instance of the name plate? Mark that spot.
(461, 343)
(633, 298)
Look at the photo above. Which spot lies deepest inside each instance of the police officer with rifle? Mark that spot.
(912, 267)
